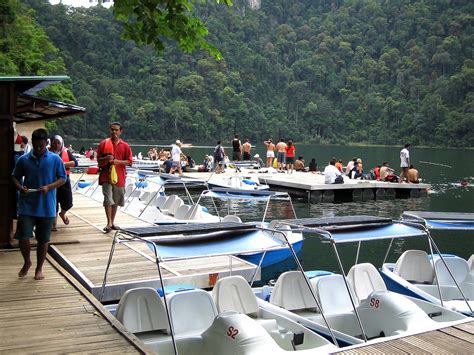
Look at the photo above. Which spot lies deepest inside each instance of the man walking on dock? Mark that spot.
(113, 156)
(37, 175)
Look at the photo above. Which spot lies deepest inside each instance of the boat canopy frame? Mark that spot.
(126, 236)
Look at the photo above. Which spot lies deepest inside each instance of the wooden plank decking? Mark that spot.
(133, 264)
(457, 339)
(55, 315)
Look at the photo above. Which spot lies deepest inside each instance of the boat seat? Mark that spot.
(192, 311)
(168, 203)
(142, 310)
(160, 202)
(181, 212)
(174, 207)
(332, 294)
(470, 262)
(232, 218)
(365, 279)
(415, 267)
(147, 197)
(194, 213)
(458, 267)
(128, 190)
(233, 293)
(291, 292)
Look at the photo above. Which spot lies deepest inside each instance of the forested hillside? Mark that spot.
(360, 71)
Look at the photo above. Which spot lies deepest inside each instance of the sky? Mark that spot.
(79, 3)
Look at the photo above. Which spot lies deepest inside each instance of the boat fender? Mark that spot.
(249, 182)
(204, 209)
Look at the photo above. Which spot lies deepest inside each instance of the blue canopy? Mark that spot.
(388, 231)
(442, 220)
(247, 242)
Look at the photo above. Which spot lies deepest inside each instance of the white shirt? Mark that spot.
(404, 158)
(330, 174)
(176, 153)
(349, 166)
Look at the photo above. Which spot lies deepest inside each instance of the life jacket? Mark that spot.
(65, 158)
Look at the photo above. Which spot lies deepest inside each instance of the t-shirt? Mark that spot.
(176, 153)
(404, 158)
(330, 174)
(290, 151)
(122, 151)
(349, 166)
(338, 166)
(236, 145)
(36, 173)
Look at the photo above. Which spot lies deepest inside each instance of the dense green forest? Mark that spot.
(355, 71)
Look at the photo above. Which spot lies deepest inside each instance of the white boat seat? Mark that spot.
(291, 292)
(470, 262)
(174, 207)
(284, 228)
(147, 197)
(181, 212)
(160, 201)
(414, 266)
(194, 213)
(332, 294)
(169, 202)
(192, 311)
(142, 310)
(232, 218)
(365, 279)
(128, 190)
(458, 267)
(233, 293)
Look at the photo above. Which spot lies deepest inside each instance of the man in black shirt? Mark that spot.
(236, 149)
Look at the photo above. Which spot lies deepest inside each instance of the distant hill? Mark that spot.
(360, 71)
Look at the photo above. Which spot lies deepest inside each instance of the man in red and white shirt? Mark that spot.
(113, 151)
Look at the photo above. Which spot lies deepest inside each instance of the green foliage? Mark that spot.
(378, 71)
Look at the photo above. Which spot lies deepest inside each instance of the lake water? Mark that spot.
(446, 195)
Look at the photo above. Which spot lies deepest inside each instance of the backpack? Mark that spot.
(218, 153)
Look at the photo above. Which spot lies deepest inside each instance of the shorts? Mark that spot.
(246, 156)
(290, 160)
(176, 164)
(113, 195)
(64, 196)
(42, 226)
(281, 157)
(270, 154)
(236, 156)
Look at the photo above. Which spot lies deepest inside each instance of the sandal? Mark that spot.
(107, 229)
(54, 229)
(64, 218)
(115, 227)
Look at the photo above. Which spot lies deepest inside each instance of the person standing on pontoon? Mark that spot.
(246, 148)
(404, 163)
(281, 154)
(176, 156)
(113, 154)
(236, 148)
(270, 152)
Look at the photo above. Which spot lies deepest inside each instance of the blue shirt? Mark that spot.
(36, 173)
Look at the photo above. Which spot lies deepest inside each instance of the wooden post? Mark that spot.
(7, 207)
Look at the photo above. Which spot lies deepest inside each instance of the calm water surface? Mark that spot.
(445, 196)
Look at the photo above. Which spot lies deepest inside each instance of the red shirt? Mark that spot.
(122, 151)
(290, 151)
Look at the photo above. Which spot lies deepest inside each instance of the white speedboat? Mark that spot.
(442, 279)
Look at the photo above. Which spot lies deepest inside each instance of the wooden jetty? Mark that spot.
(312, 187)
(55, 315)
(458, 339)
(133, 264)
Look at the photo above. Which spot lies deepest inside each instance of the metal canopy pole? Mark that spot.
(300, 267)
(388, 251)
(357, 254)
(328, 234)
